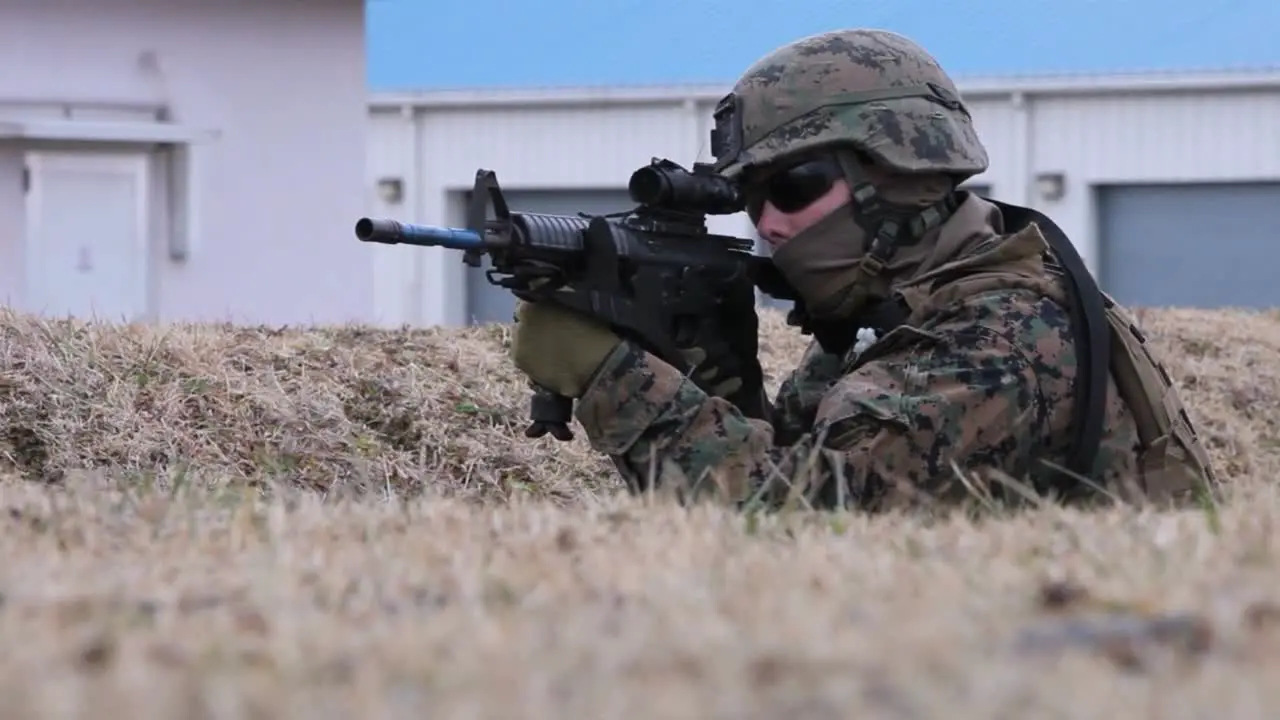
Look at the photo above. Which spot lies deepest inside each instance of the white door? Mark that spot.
(86, 250)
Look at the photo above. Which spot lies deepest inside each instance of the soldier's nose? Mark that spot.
(773, 226)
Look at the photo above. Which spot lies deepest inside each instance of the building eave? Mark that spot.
(973, 88)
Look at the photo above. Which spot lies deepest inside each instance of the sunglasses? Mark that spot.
(793, 188)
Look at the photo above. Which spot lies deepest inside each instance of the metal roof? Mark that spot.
(970, 87)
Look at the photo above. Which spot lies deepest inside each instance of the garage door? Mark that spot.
(1210, 245)
(487, 303)
(763, 248)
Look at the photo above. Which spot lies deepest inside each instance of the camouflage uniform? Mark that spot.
(976, 378)
(982, 381)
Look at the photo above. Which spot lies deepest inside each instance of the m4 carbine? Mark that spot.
(654, 273)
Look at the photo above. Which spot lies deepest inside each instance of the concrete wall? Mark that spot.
(1087, 130)
(274, 90)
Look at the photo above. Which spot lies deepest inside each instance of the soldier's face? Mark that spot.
(790, 199)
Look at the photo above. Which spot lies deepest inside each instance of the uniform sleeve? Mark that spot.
(795, 406)
(963, 391)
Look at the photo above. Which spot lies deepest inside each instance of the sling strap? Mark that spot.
(1091, 332)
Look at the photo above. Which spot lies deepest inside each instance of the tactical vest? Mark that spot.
(1172, 461)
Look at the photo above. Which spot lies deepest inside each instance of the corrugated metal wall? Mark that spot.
(1170, 137)
(1167, 138)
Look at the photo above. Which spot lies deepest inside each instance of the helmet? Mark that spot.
(872, 89)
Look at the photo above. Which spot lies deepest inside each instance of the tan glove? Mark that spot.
(558, 348)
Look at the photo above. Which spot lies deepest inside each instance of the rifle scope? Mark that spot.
(671, 186)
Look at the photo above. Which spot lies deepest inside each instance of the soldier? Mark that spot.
(958, 341)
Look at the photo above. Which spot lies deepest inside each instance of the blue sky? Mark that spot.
(425, 44)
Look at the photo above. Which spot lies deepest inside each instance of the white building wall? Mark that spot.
(273, 92)
(1090, 130)
(1183, 137)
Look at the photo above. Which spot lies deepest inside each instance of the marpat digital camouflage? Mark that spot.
(874, 88)
(971, 382)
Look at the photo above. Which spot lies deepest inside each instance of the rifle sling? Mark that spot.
(1091, 333)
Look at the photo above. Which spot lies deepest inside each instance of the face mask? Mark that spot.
(820, 262)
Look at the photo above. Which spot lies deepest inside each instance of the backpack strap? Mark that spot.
(1091, 332)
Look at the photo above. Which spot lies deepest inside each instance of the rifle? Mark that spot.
(654, 273)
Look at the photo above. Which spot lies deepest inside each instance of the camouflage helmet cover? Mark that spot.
(873, 89)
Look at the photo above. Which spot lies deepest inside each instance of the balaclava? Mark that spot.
(822, 262)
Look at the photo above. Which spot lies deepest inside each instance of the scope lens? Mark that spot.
(645, 185)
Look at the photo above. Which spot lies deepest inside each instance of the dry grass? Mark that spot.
(449, 566)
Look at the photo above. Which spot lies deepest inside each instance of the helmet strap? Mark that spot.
(888, 225)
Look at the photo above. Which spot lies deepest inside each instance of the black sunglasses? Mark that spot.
(794, 188)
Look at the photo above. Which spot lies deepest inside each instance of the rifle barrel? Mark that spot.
(394, 232)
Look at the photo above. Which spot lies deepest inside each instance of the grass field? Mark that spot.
(415, 556)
